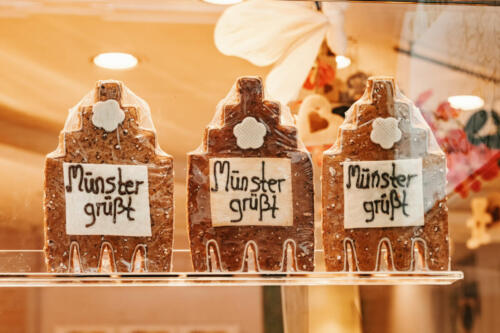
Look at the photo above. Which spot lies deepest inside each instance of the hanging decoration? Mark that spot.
(284, 33)
(484, 224)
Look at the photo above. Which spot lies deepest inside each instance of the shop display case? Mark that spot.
(302, 98)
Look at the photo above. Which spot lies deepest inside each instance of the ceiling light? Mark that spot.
(115, 60)
(223, 2)
(342, 61)
(466, 102)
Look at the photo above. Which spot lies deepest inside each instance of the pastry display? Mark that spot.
(383, 188)
(108, 203)
(250, 188)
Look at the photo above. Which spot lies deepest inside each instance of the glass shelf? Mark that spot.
(25, 268)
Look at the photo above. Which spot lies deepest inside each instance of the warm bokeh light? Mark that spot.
(466, 102)
(115, 60)
(342, 61)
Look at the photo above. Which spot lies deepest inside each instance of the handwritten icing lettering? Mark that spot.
(250, 191)
(383, 194)
(365, 178)
(104, 199)
(98, 184)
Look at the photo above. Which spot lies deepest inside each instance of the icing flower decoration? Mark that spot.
(385, 132)
(286, 33)
(107, 115)
(249, 133)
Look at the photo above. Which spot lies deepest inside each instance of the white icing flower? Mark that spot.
(385, 132)
(249, 133)
(107, 115)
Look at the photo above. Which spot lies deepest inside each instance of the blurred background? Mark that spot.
(446, 58)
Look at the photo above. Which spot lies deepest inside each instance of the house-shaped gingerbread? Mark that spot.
(250, 189)
(108, 202)
(383, 188)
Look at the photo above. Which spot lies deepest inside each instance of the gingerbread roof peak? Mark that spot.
(248, 99)
(110, 89)
(383, 99)
(249, 92)
(250, 88)
(381, 89)
(107, 90)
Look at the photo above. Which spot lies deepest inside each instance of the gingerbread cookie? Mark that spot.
(383, 188)
(250, 188)
(108, 201)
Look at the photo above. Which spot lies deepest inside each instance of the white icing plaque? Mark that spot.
(251, 191)
(106, 199)
(383, 194)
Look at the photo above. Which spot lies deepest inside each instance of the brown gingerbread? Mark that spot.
(383, 188)
(108, 188)
(250, 189)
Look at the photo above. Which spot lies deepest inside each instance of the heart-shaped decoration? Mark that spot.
(316, 122)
